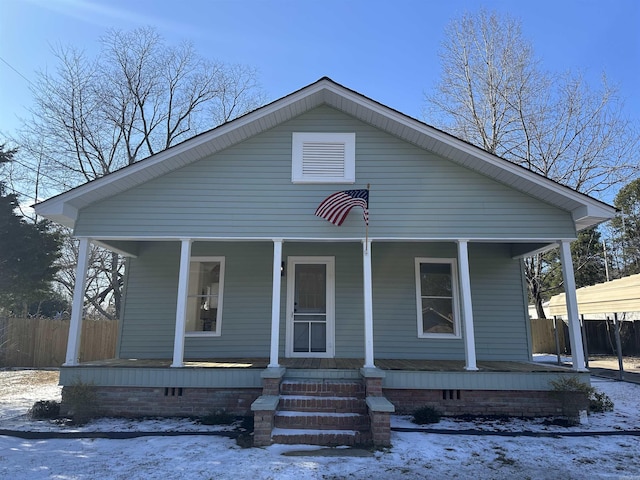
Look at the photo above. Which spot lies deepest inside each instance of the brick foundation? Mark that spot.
(489, 402)
(170, 402)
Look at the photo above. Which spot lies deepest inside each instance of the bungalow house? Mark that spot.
(239, 297)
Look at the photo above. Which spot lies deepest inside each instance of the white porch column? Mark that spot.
(575, 337)
(77, 310)
(181, 304)
(368, 305)
(467, 307)
(275, 303)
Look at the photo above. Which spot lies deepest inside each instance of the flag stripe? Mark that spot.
(337, 206)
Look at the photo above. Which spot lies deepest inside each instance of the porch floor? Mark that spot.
(334, 364)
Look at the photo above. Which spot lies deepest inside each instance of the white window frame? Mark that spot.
(298, 141)
(195, 262)
(454, 292)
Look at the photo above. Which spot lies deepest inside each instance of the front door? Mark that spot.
(310, 307)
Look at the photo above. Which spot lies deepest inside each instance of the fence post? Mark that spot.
(555, 332)
(583, 328)
(616, 331)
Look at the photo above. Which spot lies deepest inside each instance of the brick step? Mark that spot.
(323, 388)
(311, 403)
(329, 438)
(321, 421)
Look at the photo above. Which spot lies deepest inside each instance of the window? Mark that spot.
(437, 298)
(323, 158)
(204, 298)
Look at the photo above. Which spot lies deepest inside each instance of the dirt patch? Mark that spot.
(14, 382)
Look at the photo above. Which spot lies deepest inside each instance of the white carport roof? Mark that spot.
(586, 211)
(617, 296)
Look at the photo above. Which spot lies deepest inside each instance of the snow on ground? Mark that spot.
(414, 455)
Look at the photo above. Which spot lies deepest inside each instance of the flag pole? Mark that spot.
(366, 238)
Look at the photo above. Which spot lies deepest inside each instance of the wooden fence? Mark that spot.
(543, 336)
(42, 342)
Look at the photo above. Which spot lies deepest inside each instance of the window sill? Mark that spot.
(441, 336)
(201, 334)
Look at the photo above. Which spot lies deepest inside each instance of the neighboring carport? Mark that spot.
(618, 298)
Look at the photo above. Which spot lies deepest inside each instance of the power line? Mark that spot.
(16, 70)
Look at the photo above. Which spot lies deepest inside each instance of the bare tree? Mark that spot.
(494, 94)
(138, 96)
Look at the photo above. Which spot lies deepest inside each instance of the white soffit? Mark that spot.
(586, 211)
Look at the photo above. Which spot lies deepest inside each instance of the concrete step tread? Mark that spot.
(297, 413)
(285, 396)
(278, 431)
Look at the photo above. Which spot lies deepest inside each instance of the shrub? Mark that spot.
(219, 417)
(598, 401)
(45, 409)
(425, 415)
(80, 401)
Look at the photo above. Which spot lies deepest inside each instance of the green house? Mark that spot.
(239, 297)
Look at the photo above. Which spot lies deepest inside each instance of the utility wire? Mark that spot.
(16, 70)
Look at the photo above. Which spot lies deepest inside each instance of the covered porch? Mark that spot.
(249, 373)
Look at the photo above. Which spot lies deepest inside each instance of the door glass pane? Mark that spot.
(301, 337)
(318, 337)
(311, 288)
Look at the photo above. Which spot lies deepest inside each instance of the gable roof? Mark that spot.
(586, 211)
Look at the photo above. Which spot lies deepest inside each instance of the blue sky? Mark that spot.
(387, 50)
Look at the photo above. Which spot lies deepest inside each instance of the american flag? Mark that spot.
(337, 206)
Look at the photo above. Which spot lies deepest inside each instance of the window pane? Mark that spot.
(301, 337)
(435, 279)
(437, 315)
(202, 301)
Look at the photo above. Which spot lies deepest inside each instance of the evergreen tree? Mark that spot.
(28, 252)
(626, 228)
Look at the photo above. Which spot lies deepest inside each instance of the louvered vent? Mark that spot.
(323, 157)
(323, 160)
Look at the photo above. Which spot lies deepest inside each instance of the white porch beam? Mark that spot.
(275, 303)
(575, 336)
(181, 304)
(467, 307)
(368, 305)
(77, 310)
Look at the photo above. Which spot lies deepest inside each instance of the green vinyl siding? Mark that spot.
(246, 190)
(497, 295)
(150, 309)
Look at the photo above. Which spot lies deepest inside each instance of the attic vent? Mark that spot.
(323, 158)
